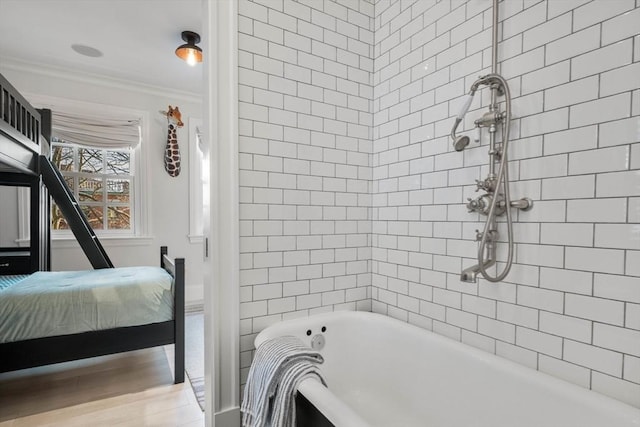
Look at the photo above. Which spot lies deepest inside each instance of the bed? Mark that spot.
(69, 341)
(51, 317)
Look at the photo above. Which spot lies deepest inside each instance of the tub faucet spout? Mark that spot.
(470, 274)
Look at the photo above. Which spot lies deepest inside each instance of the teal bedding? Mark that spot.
(6, 281)
(50, 303)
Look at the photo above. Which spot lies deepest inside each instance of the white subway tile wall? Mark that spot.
(352, 196)
(569, 307)
(305, 110)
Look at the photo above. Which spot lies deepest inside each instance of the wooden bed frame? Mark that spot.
(21, 132)
(24, 149)
(63, 348)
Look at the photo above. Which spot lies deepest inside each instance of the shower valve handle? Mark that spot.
(477, 135)
(473, 205)
(490, 118)
(492, 235)
(480, 205)
(486, 185)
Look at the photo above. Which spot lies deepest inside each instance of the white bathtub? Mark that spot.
(387, 373)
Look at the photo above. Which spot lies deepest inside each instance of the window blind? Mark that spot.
(108, 132)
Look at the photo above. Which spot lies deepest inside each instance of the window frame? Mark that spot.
(196, 178)
(104, 176)
(141, 194)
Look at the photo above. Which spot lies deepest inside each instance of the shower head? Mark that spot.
(460, 142)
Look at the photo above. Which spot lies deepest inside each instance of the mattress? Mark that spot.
(50, 303)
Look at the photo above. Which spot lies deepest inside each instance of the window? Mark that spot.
(102, 181)
(101, 152)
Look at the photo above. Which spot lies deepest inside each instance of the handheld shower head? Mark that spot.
(465, 105)
(460, 142)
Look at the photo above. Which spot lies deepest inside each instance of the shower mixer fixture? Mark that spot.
(495, 200)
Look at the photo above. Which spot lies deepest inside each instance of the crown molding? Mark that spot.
(49, 70)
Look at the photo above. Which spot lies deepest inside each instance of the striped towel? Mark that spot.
(279, 365)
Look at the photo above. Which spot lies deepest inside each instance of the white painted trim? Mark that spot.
(24, 216)
(198, 238)
(97, 79)
(196, 156)
(209, 33)
(143, 180)
(106, 241)
(193, 297)
(221, 224)
(228, 418)
(193, 306)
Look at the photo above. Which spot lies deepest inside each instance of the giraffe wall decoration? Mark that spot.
(172, 150)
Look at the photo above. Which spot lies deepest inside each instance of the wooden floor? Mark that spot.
(129, 389)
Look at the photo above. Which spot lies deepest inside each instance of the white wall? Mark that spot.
(9, 224)
(305, 123)
(169, 197)
(571, 305)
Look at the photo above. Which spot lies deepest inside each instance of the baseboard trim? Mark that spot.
(194, 294)
(194, 307)
(228, 418)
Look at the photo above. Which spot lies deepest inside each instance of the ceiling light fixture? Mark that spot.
(189, 51)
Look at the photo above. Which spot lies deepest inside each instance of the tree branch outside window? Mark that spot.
(101, 181)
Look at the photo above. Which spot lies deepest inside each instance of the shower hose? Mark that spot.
(503, 177)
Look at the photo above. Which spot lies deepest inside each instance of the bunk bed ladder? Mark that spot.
(74, 216)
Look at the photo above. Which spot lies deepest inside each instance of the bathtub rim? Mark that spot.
(324, 400)
(331, 406)
(591, 397)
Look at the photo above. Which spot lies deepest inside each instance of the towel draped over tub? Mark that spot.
(278, 367)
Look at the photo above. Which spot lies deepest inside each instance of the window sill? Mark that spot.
(197, 238)
(107, 241)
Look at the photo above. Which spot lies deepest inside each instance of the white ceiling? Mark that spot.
(137, 37)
